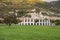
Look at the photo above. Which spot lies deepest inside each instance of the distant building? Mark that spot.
(41, 20)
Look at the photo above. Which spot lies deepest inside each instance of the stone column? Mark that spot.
(27, 21)
(47, 22)
(39, 21)
(42, 22)
(33, 21)
(36, 23)
(24, 21)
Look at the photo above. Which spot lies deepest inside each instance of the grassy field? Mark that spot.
(16, 32)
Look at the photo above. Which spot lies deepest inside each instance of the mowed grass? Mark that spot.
(17, 32)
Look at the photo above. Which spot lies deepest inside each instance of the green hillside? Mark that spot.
(12, 5)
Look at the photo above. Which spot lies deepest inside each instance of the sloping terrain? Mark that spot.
(10, 5)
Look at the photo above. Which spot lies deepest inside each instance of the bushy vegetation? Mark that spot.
(56, 22)
(12, 5)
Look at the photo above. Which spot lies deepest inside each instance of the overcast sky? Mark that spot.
(49, 0)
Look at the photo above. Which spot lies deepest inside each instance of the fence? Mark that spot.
(32, 22)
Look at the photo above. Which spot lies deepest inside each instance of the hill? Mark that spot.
(55, 3)
(12, 5)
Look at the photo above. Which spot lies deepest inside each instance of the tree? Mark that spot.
(10, 18)
(22, 12)
(57, 22)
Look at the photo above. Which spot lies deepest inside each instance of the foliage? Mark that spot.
(36, 20)
(57, 22)
(12, 5)
(22, 12)
(10, 18)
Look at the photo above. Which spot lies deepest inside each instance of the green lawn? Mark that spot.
(16, 32)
